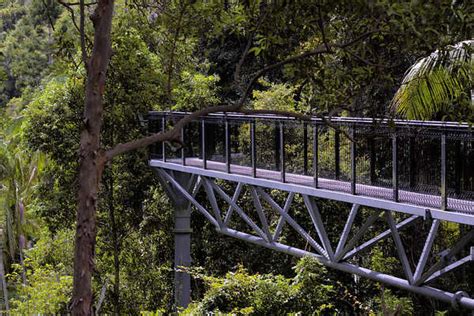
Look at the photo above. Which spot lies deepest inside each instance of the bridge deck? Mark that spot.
(408, 197)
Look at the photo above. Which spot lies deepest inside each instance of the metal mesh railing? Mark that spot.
(423, 163)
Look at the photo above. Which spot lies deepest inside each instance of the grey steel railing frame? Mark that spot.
(393, 126)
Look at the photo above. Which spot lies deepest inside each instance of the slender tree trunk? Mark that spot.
(116, 245)
(116, 264)
(92, 159)
(23, 268)
(2, 276)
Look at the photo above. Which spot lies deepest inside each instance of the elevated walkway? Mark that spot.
(404, 171)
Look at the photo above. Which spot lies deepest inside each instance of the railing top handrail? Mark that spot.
(333, 119)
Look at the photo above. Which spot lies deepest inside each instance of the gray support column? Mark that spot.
(182, 231)
(182, 255)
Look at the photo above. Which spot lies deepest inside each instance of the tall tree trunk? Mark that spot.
(92, 159)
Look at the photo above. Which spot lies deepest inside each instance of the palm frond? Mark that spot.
(434, 83)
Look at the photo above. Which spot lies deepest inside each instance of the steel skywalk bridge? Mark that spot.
(399, 173)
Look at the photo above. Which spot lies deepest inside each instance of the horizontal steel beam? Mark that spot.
(353, 269)
(424, 212)
(333, 119)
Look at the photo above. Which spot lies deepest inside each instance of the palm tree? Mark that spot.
(18, 177)
(439, 84)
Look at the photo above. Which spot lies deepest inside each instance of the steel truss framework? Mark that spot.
(338, 256)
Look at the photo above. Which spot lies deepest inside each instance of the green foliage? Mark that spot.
(391, 304)
(26, 50)
(240, 293)
(10, 12)
(315, 289)
(379, 261)
(20, 174)
(387, 303)
(276, 97)
(183, 55)
(47, 292)
(53, 250)
(49, 274)
(197, 91)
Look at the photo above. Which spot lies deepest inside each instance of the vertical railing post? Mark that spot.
(458, 176)
(227, 145)
(282, 152)
(315, 154)
(395, 165)
(444, 191)
(305, 148)
(183, 148)
(353, 161)
(372, 159)
(163, 130)
(413, 163)
(337, 158)
(253, 148)
(203, 143)
(276, 137)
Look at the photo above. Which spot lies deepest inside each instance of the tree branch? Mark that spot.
(174, 134)
(177, 32)
(71, 11)
(79, 3)
(50, 20)
(321, 49)
(239, 65)
(321, 28)
(171, 135)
